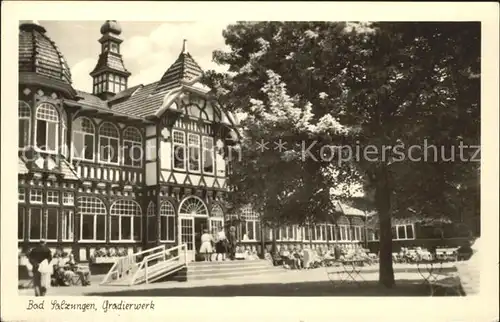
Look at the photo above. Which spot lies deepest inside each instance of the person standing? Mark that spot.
(206, 245)
(232, 242)
(40, 257)
(221, 245)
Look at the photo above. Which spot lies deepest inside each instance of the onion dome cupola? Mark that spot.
(40, 60)
(110, 75)
(183, 70)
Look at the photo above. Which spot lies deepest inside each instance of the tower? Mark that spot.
(109, 75)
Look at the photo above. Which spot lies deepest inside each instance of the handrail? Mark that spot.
(124, 263)
(145, 262)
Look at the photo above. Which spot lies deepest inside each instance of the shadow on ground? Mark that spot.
(371, 288)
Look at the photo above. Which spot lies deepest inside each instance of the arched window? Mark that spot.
(92, 219)
(83, 139)
(193, 206)
(47, 127)
(167, 222)
(126, 220)
(151, 221)
(132, 147)
(251, 226)
(24, 124)
(108, 143)
(216, 219)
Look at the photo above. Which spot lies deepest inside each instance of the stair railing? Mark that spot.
(148, 269)
(128, 264)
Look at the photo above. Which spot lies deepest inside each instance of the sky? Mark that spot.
(148, 48)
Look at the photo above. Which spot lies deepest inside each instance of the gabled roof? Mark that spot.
(184, 69)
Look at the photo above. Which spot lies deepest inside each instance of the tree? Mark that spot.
(381, 88)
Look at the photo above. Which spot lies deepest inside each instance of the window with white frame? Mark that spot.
(64, 134)
(47, 127)
(167, 221)
(307, 233)
(126, 220)
(21, 195)
(216, 220)
(24, 118)
(344, 232)
(36, 196)
(252, 223)
(152, 224)
(372, 234)
(83, 144)
(330, 232)
(179, 150)
(132, 147)
(21, 222)
(43, 224)
(52, 197)
(92, 219)
(108, 143)
(68, 198)
(404, 232)
(67, 223)
(208, 154)
(194, 152)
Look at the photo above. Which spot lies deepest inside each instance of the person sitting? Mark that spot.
(297, 258)
(240, 253)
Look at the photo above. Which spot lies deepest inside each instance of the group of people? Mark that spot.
(53, 270)
(225, 246)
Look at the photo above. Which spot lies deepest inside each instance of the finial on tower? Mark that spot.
(184, 47)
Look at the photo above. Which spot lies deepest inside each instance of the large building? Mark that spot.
(125, 168)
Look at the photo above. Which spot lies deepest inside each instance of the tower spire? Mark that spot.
(184, 47)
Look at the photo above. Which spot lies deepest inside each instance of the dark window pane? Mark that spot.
(137, 154)
(52, 136)
(101, 227)
(115, 226)
(194, 157)
(164, 227)
(127, 153)
(306, 233)
(329, 233)
(250, 232)
(137, 227)
(52, 223)
(103, 149)
(114, 150)
(394, 236)
(171, 228)
(23, 132)
(35, 223)
(41, 134)
(409, 232)
(152, 225)
(257, 230)
(126, 228)
(179, 157)
(401, 232)
(89, 147)
(20, 223)
(87, 227)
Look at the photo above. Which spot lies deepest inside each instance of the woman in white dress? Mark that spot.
(206, 245)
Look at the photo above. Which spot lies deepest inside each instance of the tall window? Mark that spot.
(167, 222)
(132, 147)
(208, 154)
(43, 224)
(24, 124)
(21, 220)
(64, 143)
(194, 152)
(252, 224)
(179, 150)
(126, 220)
(67, 224)
(108, 143)
(151, 221)
(47, 127)
(83, 139)
(403, 232)
(216, 219)
(92, 219)
(344, 232)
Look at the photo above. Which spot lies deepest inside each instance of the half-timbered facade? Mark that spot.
(123, 168)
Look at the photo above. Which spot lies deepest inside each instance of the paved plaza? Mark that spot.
(313, 282)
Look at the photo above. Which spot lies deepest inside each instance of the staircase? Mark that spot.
(225, 269)
(147, 266)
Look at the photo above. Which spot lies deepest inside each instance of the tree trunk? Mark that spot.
(383, 204)
(274, 248)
